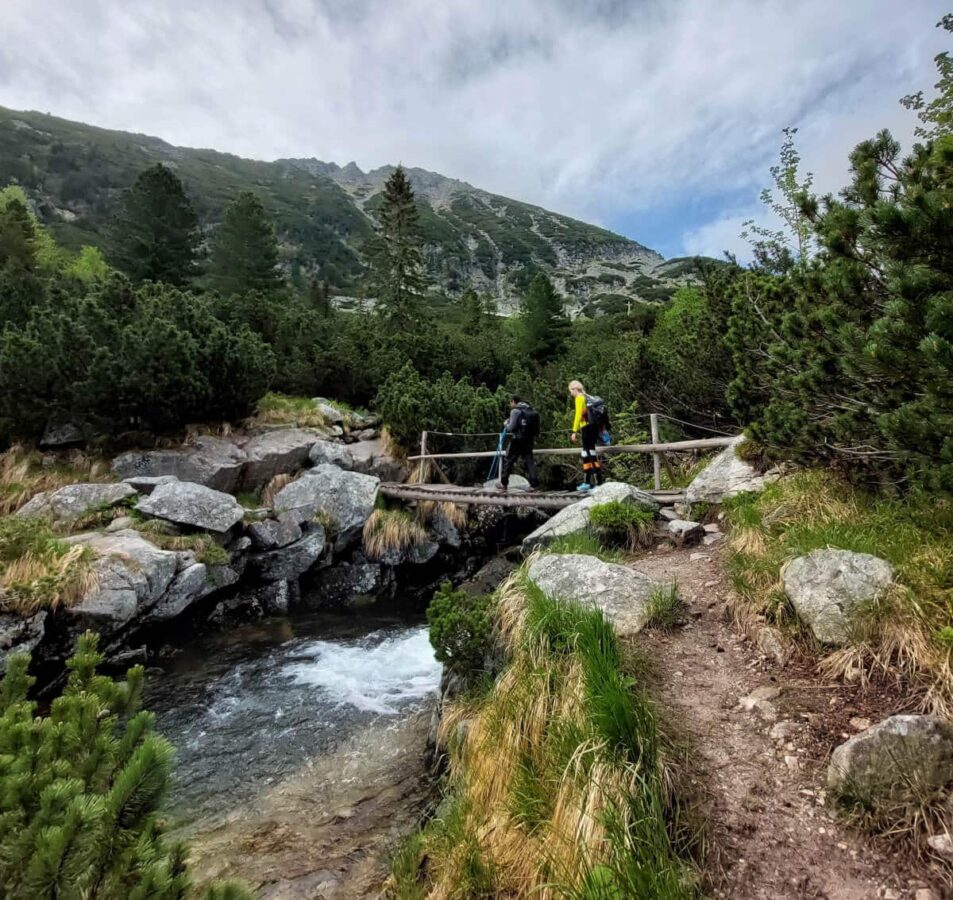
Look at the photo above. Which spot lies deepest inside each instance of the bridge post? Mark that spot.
(656, 456)
(423, 462)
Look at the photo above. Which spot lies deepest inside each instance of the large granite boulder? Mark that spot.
(894, 759)
(827, 586)
(209, 461)
(57, 435)
(726, 476)
(271, 534)
(19, 634)
(190, 504)
(575, 519)
(331, 453)
(345, 498)
(348, 585)
(131, 575)
(372, 458)
(188, 586)
(292, 561)
(72, 502)
(329, 412)
(146, 484)
(275, 453)
(620, 592)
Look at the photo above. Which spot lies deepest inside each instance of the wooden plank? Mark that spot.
(441, 494)
(671, 447)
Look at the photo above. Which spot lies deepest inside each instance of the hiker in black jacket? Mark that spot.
(523, 427)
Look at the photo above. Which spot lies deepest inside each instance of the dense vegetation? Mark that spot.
(835, 346)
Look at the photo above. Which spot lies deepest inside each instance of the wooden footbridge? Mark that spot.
(482, 495)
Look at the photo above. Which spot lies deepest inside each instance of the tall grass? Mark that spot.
(558, 788)
(39, 571)
(585, 543)
(907, 632)
(390, 531)
(24, 473)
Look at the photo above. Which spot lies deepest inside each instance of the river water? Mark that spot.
(300, 749)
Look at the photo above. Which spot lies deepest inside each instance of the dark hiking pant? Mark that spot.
(591, 464)
(519, 450)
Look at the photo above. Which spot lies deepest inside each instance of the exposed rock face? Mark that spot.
(192, 504)
(370, 458)
(726, 476)
(271, 534)
(131, 575)
(290, 562)
(826, 586)
(620, 592)
(346, 497)
(211, 462)
(275, 453)
(444, 530)
(190, 584)
(331, 453)
(350, 585)
(575, 519)
(19, 635)
(885, 760)
(66, 504)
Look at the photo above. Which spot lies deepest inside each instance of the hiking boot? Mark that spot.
(585, 486)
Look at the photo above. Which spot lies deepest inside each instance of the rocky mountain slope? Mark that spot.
(325, 215)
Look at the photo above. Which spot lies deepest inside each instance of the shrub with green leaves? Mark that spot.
(460, 628)
(622, 524)
(80, 787)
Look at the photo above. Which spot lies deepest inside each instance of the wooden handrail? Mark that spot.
(612, 449)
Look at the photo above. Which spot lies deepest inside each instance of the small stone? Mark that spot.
(712, 583)
(699, 557)
(709, 539)
(782, 731)
(794, 765)
(891, 894)
(765, 692)
(942, 844)
(764, 709)
(926, 894)
(859, 723)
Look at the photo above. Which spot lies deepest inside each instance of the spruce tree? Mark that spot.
(153, 234)
(397, 257)
(544, 322)
(245, 249)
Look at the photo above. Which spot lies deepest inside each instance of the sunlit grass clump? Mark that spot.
(623, 524)
(908, 631)
(557, 785)
(39, 571)
(391, 531)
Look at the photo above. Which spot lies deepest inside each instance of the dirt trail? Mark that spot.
(770, 833)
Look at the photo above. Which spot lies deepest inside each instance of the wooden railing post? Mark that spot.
(656, 456)
(423, 453)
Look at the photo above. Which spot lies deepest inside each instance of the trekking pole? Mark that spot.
(496, 458)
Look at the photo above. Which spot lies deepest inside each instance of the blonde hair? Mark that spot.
(576, 385)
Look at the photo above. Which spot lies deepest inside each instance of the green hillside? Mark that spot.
(325, 215)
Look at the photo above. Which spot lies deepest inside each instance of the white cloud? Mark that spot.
(723, 234)
(594, 108)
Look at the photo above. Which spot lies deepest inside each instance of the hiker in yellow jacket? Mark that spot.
(584, 423)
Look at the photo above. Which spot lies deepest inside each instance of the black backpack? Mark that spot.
(528, 426)
(596, 411)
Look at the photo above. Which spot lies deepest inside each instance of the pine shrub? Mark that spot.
(460, 628)
(80, 786)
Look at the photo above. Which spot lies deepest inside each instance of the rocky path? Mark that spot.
(761, 735)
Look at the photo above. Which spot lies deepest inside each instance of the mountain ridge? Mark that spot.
(325, 215)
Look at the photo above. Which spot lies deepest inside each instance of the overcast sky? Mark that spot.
(656, 118)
